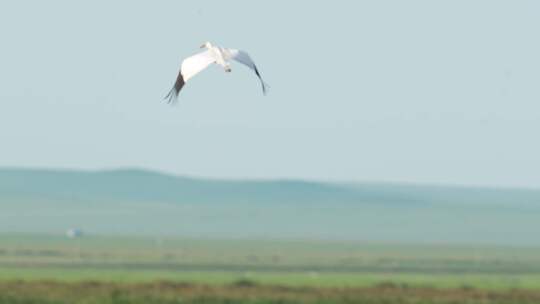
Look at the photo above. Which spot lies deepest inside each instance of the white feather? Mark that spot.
(196, 63)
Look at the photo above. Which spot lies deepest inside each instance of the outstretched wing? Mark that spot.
(190, 67)
(245, 59)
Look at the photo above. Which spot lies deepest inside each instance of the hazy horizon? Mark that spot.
(417, 92)
(116, 202)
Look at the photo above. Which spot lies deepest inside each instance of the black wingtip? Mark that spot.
(264, 85)
(172, 96)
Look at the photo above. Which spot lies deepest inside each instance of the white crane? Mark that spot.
(213, 54)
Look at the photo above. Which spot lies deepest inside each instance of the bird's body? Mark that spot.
(213, 54)
(221, 55)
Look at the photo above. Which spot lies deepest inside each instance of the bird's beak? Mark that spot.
(203, 46)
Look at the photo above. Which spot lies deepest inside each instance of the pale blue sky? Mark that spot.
(416, 91)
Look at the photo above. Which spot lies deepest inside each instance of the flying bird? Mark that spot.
(213, 54)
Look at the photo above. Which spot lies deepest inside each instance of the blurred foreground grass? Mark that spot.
(246, 292)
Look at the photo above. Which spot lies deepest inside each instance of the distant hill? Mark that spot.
(145, 202)
(148, 186)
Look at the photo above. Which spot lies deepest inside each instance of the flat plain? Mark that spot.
(55, 269)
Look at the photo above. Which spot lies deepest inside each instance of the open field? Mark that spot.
(34, 259)
(184, 251)
(47, 252)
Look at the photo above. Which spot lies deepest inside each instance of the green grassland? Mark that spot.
(280, 241)
(284, 262)
(107, 269)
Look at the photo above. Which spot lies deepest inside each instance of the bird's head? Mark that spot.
(206, 45)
